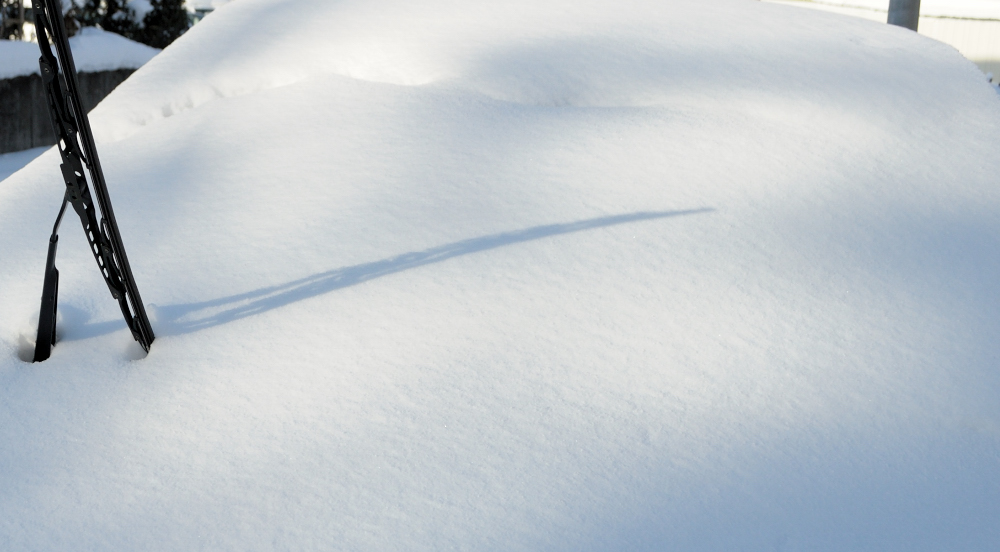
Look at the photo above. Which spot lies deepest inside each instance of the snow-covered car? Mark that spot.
(520, 275)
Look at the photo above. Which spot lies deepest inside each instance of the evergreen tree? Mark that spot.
(113, 16)
(119, 18)
(10, 23)
(167, 21)
(71, 16)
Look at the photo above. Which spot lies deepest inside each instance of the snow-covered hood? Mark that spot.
(520, 275)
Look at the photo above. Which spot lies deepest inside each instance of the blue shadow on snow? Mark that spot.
(170, 318)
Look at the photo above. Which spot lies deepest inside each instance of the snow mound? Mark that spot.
(521, 275)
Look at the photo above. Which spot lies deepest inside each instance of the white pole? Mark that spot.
(904, 13)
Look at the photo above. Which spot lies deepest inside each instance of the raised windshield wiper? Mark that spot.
(76, 145)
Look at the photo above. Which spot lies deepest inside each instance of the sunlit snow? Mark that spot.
(520, 275)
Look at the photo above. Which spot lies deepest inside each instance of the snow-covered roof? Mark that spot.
(93, 50)
(520, 275)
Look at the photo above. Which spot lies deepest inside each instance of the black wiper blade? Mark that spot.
(76, 146)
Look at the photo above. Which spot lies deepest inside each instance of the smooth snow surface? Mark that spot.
(93, 50)
(520, 275)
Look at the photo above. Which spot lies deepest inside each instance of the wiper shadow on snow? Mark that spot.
(177, 319)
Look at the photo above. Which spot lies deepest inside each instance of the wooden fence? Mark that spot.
(24, 113)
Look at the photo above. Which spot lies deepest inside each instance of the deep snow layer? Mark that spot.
(548, 275)
(93, 50)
